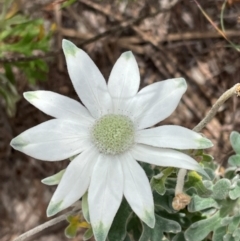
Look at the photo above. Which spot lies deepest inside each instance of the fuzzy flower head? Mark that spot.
(108, 136)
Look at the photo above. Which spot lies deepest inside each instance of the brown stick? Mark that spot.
(120, 27)
(235, 90)
(43, 226)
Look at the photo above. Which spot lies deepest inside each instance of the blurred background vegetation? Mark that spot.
(169, 38)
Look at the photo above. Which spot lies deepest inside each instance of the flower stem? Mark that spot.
(180, 181)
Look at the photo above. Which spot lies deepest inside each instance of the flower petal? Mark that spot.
(58, 106)
(105, 194)
(170, 136)
(87, 80)
(53, 140)
(124, 79)
(137, 190)
(74, 182)
(157, 101)
(165, 157)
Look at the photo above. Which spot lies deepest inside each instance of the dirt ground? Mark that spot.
(178, 41)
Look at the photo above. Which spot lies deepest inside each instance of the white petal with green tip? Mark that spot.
(54, 179)
(105, 194)
(74, 182)
(59, 106)
(53, 140)
(87, 80)
(171, 136)
(165, 157)
(157, 101)
(137, 190)
(124, 79)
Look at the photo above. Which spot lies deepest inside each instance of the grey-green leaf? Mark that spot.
(234, 160)
(236, 234)
(88, 234)
(118, 229)
(85, 208)
(163, 202)
(235, 192)
(234, 224)
(162, 225)
(221, 189)
(228, 237)
(235, 141)
(219, 233)
(197, 204)
(199, 230)
(179, 237)
(158, 182)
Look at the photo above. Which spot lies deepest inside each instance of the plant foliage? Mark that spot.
(20, 36)
(213, 213)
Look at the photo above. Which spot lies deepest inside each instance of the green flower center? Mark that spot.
(113, 134)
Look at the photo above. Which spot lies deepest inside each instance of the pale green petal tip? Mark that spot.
(18, 143)
(30, 95)
(54, 208)
(127, 55)
(54, 179)
(204, 142)
(100, 232)
(149, 218)
(69, 48)
(181, 83)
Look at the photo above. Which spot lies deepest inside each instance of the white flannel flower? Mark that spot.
(108, 136)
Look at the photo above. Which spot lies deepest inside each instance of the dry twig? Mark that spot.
(123, 25)
(43, 226)
(235, 90)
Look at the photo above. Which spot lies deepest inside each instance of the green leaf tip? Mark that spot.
(181, 83)
(54, 208)
(100, 231)
(204, 143)
(30, 96)
(71, 231)
(127, 55)
(88, 234)
(18, 143)
(69, 48)
(149, 218)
